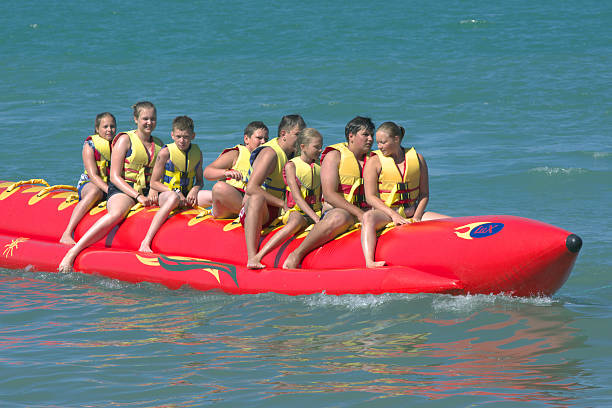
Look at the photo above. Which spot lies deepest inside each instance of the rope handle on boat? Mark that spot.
(49, 189)
(25, 182)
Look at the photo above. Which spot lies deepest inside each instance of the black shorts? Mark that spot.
(113, 189)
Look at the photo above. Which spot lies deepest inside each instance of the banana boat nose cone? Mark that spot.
(573, 243)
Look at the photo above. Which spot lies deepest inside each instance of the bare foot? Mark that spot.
(67, 263)
(67, 239)
(292, 261)
(375, 264)
(145, 248)
(254, 264)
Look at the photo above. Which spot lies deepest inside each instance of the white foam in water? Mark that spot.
(353, 302)
(557, 170)
(456, 303)
(473, 21)
(601, 155)
(467, 303)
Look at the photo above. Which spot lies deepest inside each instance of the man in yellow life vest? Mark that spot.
(342, 184)
(265, 190)
(231, 169)
(177, 176)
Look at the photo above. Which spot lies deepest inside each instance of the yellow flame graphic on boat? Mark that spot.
(8, 248)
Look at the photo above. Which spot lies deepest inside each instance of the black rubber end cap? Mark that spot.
(573, 243)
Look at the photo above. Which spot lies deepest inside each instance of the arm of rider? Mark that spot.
(156, 185)
(89, 161)
(262, 168)
(221, 168)
(192, 196)
(423, 190)
(371, 173)
(118, 154)
(330, 180)
(290, 176)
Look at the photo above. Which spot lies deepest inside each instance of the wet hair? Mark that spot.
(101, 116)
(392, 129)
(356, 124)
(183, 123)
(253, 126)
(142, 105)
(288, 122)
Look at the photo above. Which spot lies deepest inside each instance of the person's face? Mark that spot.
(182, 138)
(312, 150)
(259, 137)
(362, 140)
(146, 120)
(387, 144)
(291, 136)
(107, 128)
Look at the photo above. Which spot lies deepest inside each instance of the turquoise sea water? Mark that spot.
(509, 103)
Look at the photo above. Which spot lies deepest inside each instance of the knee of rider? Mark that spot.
(218, 187)
(368, 218)
(341, 218)
(257, 200)
(173, 200)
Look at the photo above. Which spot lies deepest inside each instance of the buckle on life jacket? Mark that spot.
(359, 200)
(404, 196)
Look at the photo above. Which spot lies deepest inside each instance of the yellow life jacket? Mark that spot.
(242, 165)
(395, 189)
(350, 175)
(181, 167)
(102, 156)
(274, 183)
(138, 163)
(309, 180)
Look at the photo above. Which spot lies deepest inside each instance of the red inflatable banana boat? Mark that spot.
(481, 254)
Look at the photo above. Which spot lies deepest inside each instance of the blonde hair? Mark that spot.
(392, 129)
(138, 106)
(306, 136)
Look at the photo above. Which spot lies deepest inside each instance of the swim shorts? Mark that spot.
(83, 180)
(272, 211)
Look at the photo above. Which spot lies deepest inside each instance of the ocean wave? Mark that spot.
(601, 155)
(469, 303)
(448, 303)
(355, 302)
(473, 21)
(553, 171)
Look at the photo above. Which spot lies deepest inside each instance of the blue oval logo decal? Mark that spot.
(486, 229)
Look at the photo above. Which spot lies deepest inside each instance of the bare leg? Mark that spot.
(256, 214)
(168, 201)
(117, 208)
(429, 215)
(205, 198)
(90, 194)
(295, 223)
(335, 222)
(372, 221)
(226, 200)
